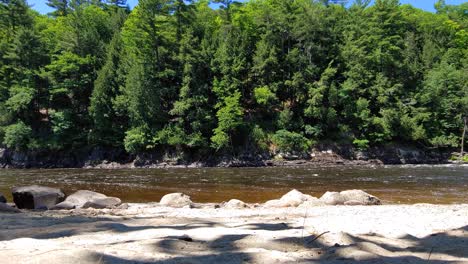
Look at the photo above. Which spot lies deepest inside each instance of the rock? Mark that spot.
(361, 197)
(293, 198)
(123, 206)
(350, 197)
(177, 200)
(353, 202)
(64, 206)
(103, 203)
(37, 197)
(235, 204)
(332, 198)
(5, 208)
(312, 203)
(80, 198)
(2, 198)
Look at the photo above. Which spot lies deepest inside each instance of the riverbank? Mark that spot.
(321, 155)
(151, 233)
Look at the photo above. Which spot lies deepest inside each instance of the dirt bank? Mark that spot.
(150, 233)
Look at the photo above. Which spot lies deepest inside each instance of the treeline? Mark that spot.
(261, 75)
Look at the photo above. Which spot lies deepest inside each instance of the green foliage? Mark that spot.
(179, 74)
(287, 141)
(17, 136)
(136, 140)
(264, 96)
(361, 144)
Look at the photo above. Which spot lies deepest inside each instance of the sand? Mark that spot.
(150, 233)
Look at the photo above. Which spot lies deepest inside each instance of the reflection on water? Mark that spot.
(393, 184)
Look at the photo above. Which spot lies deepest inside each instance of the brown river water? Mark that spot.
(393, 184)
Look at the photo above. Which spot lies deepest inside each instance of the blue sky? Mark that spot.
(40, 5)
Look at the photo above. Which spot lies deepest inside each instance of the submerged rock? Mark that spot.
(350, 197)
(93, 200)
(5, 208)
(177, 200)
(103, 203)
(235, 204)
(293, 198)
(37, 197)
(2, 198)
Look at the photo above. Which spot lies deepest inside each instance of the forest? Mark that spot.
(261, 75)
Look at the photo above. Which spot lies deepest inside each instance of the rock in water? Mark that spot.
(350, 197)
(5, 208)
(235, 204)
(37, 197)
(177, 200)
(88, 199)
(103, 203)
(2, 198)
(293, 198)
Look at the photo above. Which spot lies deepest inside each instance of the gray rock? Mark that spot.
(235, 204)
(332, 198)
(350, 197)
(2, 198)
(177, 200)
(5, 208)
(103, 203)
(353, 203)
(293, 198)
(80, 198)
(312, 203)
(37, 197)
(361, 197)
(64, 206)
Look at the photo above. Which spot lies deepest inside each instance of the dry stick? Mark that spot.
(430, 253)
(317, 237)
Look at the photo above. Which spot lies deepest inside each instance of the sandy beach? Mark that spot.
(151, 233)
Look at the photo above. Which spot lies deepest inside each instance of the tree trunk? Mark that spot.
(465, 119)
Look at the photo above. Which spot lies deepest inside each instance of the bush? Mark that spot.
(17, 136)
(135, 140)
(361, 144)
(287, 141)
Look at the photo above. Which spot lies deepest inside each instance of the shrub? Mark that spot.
(361, 144)
(290, 141)
(135, 140)
(17, 136)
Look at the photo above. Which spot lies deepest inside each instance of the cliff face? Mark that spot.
(322, 154)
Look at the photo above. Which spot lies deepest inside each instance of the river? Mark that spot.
(393, 184)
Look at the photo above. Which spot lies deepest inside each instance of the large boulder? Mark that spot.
(108, 202)
(359, 196)
(293, 198)
(5, 208)
(93, 200)
(312, 203)
(350, 197)
(2, 198)
(177, 200)
(37, 197)
(332, 198)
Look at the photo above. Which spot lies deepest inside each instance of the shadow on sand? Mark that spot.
(241, 243)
